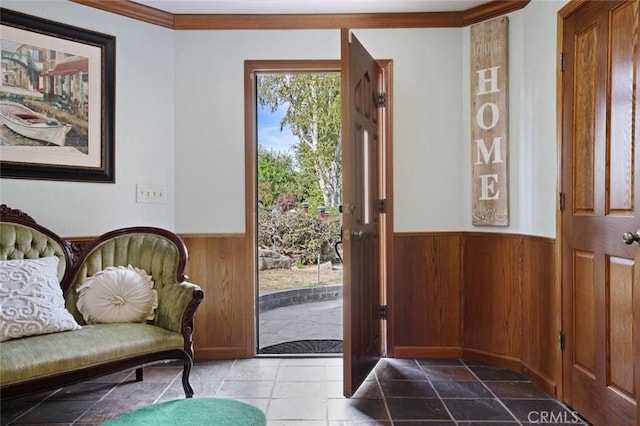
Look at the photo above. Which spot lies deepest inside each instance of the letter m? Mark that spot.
(484, 155)
(556, 417)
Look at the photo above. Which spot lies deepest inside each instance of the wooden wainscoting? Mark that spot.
(224, 324)
(493, 298)
(427, 290)
(486, 296)
(512, 304)
(541, 314)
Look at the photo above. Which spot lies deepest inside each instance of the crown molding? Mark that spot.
(305, 21)
(490, 10)
(318, 21)
(132, 10)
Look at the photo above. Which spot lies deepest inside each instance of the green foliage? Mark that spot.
(314, 116)
(306, 188)
(276, 176)
(313, 174)
(299, 235)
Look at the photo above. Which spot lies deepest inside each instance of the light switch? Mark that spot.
(151, 193)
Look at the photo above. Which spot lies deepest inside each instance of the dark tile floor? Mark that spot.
(308, 392)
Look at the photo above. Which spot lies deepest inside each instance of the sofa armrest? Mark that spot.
(177, 305)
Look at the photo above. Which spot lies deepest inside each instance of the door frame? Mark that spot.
(562, 15)
(565, 325)
(250, 149)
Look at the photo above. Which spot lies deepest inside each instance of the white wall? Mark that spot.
(180, 122)
(427, 125)
(532, 121)
(144, 135)
(210, 117)
(539, 157)
(432, 159)
(210, 120)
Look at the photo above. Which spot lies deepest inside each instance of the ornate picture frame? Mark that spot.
(57, 101)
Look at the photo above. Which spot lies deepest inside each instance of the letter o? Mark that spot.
(495, 116)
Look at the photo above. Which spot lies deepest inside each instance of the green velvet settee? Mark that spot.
(41, 362)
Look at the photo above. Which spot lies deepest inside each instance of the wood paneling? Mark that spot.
(488, 297)
(221, 266)
(540, 313)
(493, 294)
(504, 310)
(427, 286)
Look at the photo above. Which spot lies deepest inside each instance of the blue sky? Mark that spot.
(269, 134)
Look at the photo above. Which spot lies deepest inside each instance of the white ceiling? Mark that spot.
(308, 6)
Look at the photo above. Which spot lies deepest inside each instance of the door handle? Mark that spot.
(631, 237)
(357, 235)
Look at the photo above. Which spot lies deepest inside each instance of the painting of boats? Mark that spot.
(31, 124)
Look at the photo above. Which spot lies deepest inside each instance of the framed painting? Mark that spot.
(57, 101)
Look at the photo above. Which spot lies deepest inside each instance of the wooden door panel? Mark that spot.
(584, 109)
(367, 94)
(584, 312)
(621, 141)
(358, 97)
(621, 374)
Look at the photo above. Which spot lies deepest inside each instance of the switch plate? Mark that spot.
(151, 193)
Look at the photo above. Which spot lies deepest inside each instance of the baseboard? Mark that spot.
(427, 352)
(220, 353)
(493, 359)
(548, 385)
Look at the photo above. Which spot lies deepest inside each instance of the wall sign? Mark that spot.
(489, 122)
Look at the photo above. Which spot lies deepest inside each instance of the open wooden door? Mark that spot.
(361, 89)
(601, 184)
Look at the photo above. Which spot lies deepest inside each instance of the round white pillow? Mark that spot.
(117, 294)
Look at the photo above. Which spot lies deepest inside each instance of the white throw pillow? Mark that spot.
(117, 294)
(31, 300)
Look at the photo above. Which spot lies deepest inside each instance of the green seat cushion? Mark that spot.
(39, 356)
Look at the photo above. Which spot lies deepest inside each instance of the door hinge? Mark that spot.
(381, 102)
(562, 62)
(382, 206)
(561, 201)
(383, 312)
(561, 340)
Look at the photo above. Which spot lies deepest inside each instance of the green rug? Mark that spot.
(194, 412)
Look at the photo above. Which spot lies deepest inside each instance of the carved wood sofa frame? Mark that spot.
(75, 263)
